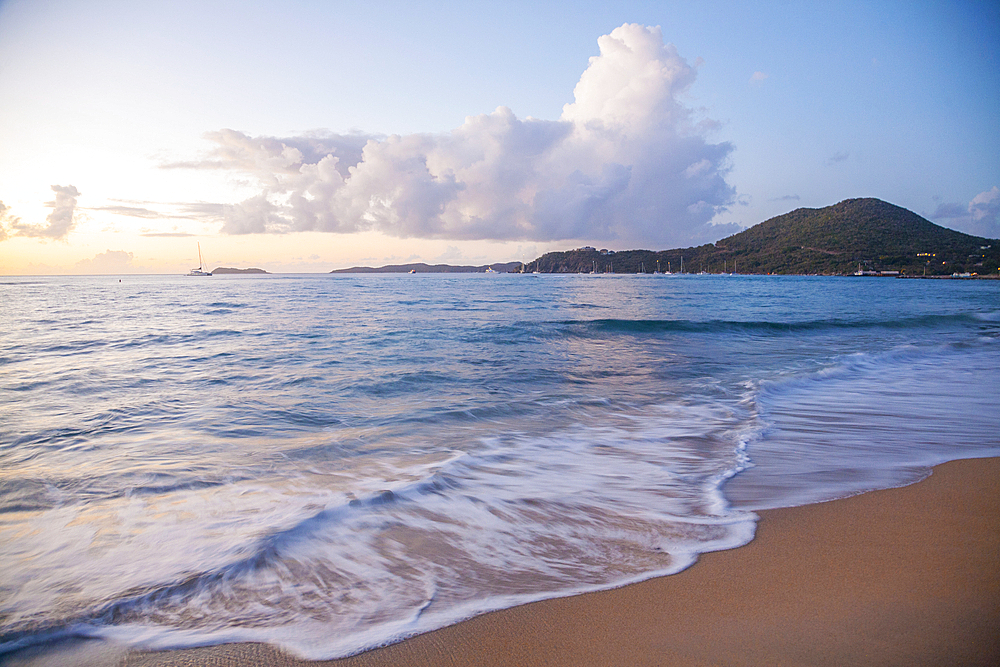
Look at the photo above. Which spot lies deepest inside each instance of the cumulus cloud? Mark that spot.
(758, 77)
(109, 261)
(60, 219)
(980, 217)
(235, 150)
(626, 161)
(451, 254)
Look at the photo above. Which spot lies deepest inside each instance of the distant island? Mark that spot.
(499, 267)
(854, 237)
(224, 269)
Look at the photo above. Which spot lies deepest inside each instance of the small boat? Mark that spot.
(413, 270)
(489, 269)
(198, 271)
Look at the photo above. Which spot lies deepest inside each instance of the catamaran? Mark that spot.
(198, 271)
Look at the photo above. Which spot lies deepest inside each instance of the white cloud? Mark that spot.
(7, 220)
(60, 220)
(758, 77)
(235, 150)
(107, 262)
(452, 254)
(980, 217)
(624, 162)
(128, 211)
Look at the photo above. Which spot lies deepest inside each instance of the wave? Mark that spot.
(431, 540)
(777, 327)
(869, 421)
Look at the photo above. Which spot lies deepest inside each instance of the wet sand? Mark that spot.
(906, 576)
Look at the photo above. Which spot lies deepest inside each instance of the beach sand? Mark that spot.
(906, 576)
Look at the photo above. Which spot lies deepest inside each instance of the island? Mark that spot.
(225, 269)
(498, 267)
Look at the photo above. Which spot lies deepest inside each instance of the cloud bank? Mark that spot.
(107, 262)
(980, 217)
(60, 220)
(625, 162)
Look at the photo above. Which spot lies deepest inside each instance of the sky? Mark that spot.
(308, 136)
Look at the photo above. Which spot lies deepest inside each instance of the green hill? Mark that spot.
(834, 240)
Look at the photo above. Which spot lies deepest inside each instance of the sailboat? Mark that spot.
(198, 271)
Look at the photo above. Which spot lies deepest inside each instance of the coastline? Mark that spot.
(905, 576)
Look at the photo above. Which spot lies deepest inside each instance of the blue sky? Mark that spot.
(173, 123)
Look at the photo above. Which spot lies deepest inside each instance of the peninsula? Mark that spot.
(869, 235)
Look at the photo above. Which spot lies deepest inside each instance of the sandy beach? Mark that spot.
(907, 576)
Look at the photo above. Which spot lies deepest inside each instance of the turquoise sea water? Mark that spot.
(329, 463)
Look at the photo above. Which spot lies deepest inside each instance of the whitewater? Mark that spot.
(329, 463)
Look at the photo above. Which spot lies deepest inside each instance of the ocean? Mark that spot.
(332, 462)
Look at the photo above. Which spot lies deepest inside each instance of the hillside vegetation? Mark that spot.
(834, 240)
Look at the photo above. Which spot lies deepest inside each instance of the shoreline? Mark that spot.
(902, 576)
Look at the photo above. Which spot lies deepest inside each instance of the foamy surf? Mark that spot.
(426, 543)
